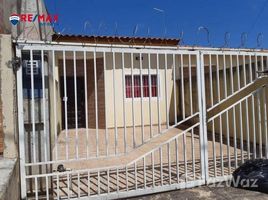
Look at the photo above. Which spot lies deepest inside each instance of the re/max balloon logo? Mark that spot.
(40, 18)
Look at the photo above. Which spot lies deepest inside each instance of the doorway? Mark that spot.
(70, 89)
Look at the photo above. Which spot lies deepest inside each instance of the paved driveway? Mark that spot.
(206, 192)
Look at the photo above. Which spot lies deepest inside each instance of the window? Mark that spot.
(139, 90)
(27, 84)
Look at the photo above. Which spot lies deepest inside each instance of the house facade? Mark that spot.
(138, 65)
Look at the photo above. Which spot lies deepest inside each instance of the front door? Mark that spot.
(71, 102)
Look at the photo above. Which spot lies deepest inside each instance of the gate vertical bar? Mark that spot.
(124, 103)
(65, 106)
(32, 118)
(115, 107)
(54, 105)
(202, 114)
(96, 102)
(150, 94)
(158, 93)
(44, 105)
(105, 103)
(166, 92)
(21, 129)
(86, 100)
(75, 106)
(132, 100)
(141, 85)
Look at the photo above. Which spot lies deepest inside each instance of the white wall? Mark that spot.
(137, 105)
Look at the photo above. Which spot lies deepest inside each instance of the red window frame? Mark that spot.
(138, 90)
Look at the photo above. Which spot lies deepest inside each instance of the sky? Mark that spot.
(232, 23)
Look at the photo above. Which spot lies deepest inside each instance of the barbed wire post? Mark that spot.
(181, 35)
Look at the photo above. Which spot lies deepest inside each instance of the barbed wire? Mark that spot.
(227, 36)
(259, 40)
(200, 28)
(243, 40)
(103, 28)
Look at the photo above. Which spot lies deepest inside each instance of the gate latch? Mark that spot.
(61, 168)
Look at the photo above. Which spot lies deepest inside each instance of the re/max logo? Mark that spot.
(41, 18)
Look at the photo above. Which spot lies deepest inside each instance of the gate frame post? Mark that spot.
(202, 115)
(21, 127)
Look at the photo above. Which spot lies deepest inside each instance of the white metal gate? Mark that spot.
(112, 122)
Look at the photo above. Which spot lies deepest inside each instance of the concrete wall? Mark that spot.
(8, 7)
(9, 179)
(34, 31)
(1, 131)
(25, 30)
(8, 94)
